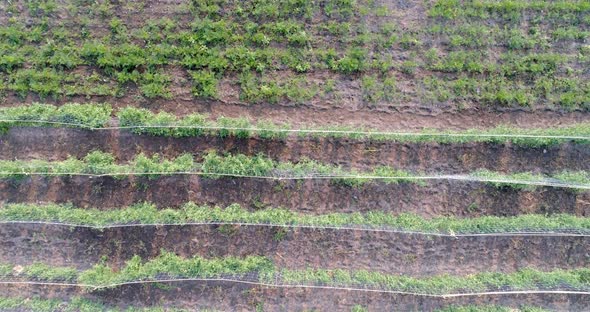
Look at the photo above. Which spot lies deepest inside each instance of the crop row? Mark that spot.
(261, 269)
(79, 304)
(146, 214)
(214, 166)
(143, 121)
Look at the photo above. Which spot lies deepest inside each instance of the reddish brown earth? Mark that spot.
(392, 253)
(57, 144)
(449, 198)
(229, 296)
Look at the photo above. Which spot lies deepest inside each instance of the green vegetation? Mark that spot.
(79, 304)
(476, 53)
(143, 121)
(169, 265)
(67, 115)
(191, 213)
(215, 166)
(565, 177)
(491, 308)
(197, 124)
(75, 304)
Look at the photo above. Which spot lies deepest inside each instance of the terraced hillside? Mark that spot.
(293, 155)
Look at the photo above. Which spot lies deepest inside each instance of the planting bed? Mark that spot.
(293, 155)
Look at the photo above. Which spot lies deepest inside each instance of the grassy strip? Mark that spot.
(191, 213)
(75, 304)
(132, 117)
(79, 304)
(214, 165)
(261, 269)
(78, 115)
(97, 115)
(579, 177)
(491, 308)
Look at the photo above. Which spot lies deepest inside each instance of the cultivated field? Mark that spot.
(295, 155)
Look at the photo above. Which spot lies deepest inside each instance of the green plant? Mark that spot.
(204, 84)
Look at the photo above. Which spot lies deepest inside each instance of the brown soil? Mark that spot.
(458, 198)
(56, 144)
(229, 296)
(391, 253)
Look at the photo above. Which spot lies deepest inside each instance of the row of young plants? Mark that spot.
(143, 121)
(80, 304)
(146, 214)
(261, 269)
(214, 166)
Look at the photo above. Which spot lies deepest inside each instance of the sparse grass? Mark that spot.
(191, 213)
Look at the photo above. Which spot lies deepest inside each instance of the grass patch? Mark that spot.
(76, 304)
(80, 304)
(507, 180)
(169, 265)
(67, 115)
(490, 308)
(143, 121)
(214, 166)
(147, 213)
